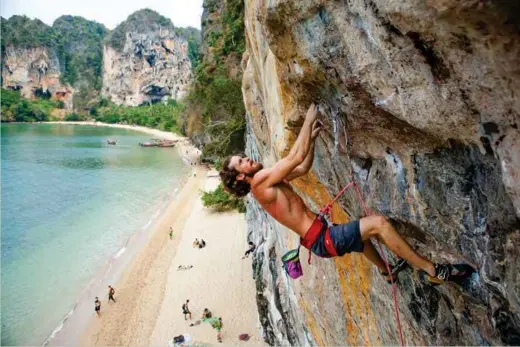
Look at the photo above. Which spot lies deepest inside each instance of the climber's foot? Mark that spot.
(394, 271)
(448, 273)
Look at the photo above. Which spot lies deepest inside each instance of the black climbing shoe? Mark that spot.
(448, 273)
(394, 271)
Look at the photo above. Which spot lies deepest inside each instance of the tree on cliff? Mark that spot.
(215, 107)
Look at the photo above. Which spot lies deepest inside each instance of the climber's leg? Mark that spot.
(378, 226)
(370, 252)
(346, 238)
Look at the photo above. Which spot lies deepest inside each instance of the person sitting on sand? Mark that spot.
(202, 243)
(251, 249)
(196, 243)
(206, 314)
(97, 306)
(186, 310)
(111, 292)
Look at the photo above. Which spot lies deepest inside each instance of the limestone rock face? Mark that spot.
(211, 23)
(151, 66)
(421, 106)
(33, 71)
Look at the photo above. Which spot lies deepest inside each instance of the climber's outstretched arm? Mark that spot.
(297, 156)
(303, 168)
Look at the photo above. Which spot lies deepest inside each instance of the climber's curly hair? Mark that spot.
(230, 182)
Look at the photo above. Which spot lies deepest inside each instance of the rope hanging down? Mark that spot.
(327, 210)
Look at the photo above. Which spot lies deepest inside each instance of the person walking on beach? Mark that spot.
(186, 310)
(111, 292)
(171, 233)
(97, 306)
(218, 327)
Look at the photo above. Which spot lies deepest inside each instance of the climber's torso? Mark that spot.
(284, 205)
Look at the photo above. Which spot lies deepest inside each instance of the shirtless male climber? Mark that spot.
(270, 187)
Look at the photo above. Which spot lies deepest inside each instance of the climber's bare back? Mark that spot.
(282, 203)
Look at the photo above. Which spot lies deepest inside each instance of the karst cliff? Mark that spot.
(421, 106)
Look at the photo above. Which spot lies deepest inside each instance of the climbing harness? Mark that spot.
(327, 211)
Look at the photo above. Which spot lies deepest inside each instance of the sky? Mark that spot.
(183, 13)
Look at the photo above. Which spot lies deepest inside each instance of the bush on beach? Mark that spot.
(221, 201)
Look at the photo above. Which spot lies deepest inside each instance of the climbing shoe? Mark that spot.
(448, 273)
(394, 271)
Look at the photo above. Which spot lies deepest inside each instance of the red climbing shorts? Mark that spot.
(335, 241)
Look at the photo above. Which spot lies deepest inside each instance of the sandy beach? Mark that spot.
(151, 289)
(151, 292)
(154, 132)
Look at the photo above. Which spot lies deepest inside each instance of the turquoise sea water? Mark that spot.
(69, 203)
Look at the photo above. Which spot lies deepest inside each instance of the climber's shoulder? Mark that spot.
(260, 177)
(260, 188)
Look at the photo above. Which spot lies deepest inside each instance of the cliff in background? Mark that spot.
(30, 63)
(144, 59)
(425, 94)
(77, 42)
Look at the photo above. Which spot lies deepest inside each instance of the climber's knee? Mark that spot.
(372, 226)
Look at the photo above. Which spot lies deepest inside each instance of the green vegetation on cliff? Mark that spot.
(215, 105)
(142, 21)
(192, 35)
(17, 109)
(78, 45)
(233, 35)
(74, 41)
(21, 31)
(218, 100)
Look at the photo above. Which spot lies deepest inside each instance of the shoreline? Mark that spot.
(152, 289)
(65, 332)
(75, 321)
(149, 286)
(155, 132)
(189, 153)
(183, 144)
(158, 248)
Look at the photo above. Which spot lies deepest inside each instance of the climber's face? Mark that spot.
(245, 165)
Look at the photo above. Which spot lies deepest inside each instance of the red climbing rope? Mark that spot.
(327, 210)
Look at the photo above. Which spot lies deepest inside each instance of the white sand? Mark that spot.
(154, 132)
(220, 280)
(151, 291)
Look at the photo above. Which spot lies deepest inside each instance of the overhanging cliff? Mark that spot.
(425, 95)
